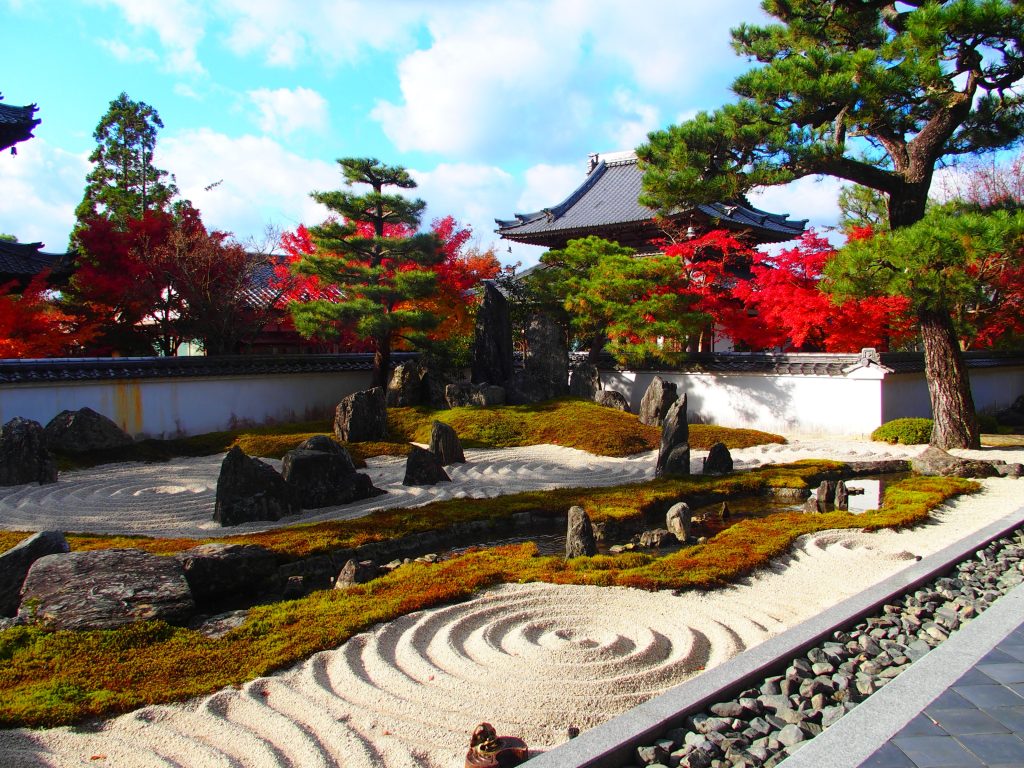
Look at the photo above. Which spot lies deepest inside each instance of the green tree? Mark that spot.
(640, 305)
(123, 183)
(861, 206)
(876, 93)
(378, 262)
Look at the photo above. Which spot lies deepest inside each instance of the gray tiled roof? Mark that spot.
(26, 259)
(110, 368)
(609, 198)
(16, 124)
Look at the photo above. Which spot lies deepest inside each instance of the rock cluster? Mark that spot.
(249, 490)
(323, 475)
(769, 721)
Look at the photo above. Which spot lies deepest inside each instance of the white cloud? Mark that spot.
(42, 185)
(179, 25)
(128, 54)
(262, 183)
(284, 111)
(813, 198)
(637, 119)
(331, 31)
(545, 186)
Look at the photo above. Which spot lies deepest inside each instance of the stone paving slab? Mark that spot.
(955, 707)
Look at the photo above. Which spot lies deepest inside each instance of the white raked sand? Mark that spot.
(532, 659)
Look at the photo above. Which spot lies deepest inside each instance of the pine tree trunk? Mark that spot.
(956, 425)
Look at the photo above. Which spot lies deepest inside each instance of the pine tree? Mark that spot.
(379, 273)
(124, 184)
(876, 93)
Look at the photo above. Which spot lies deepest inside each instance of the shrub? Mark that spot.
(904, 432)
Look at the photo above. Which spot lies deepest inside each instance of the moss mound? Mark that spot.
(904, 432)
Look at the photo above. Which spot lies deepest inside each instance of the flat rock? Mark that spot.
(104, 589)
(16, 561)
(935, 462)
(84, 430)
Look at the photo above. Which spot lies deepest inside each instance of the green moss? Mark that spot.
(904, 432)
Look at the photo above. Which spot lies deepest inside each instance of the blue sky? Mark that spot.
(493, 106)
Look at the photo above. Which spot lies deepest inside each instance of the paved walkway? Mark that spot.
(961, 706)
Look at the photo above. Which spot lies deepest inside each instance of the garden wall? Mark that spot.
(818, 394)
(170, 397)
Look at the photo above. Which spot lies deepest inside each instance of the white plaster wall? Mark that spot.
(812, 405)
(187, 406)
(992, 388)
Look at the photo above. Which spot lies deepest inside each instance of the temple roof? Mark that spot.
(16, 124)
(23, 261)
(607, 205)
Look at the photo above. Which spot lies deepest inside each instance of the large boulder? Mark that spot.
(325, 478)
(424, 468)
(718, 461)
(579, 535)
(84, 430)
(585, 381)
(656, 401)
(406, 385)
(215, 571)
(545, 373)
(24, 457)
(492, 344)
(678, 521)
(445, 444)
(935, 462)
(104, 589)
(16, 561)
(609, 398)
(249, 490)
(362, 417)
(674, 453)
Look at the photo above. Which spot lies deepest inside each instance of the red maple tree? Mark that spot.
(33, 325)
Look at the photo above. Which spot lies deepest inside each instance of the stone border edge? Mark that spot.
(610, 744)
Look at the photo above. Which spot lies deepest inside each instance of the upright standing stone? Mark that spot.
(424, 468)
(842, 496)
(362, 417)
(579, 537)
(656, 401)
(84, 430)
(674, 454)
(678, 521)
(16, 561)
(718, 461)
(249, 490)
(406, 385)
(24, 457)
(445, 444)
(545, 373)
(585, 381)
(492, 345)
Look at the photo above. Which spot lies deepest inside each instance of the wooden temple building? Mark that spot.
(607, 205)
